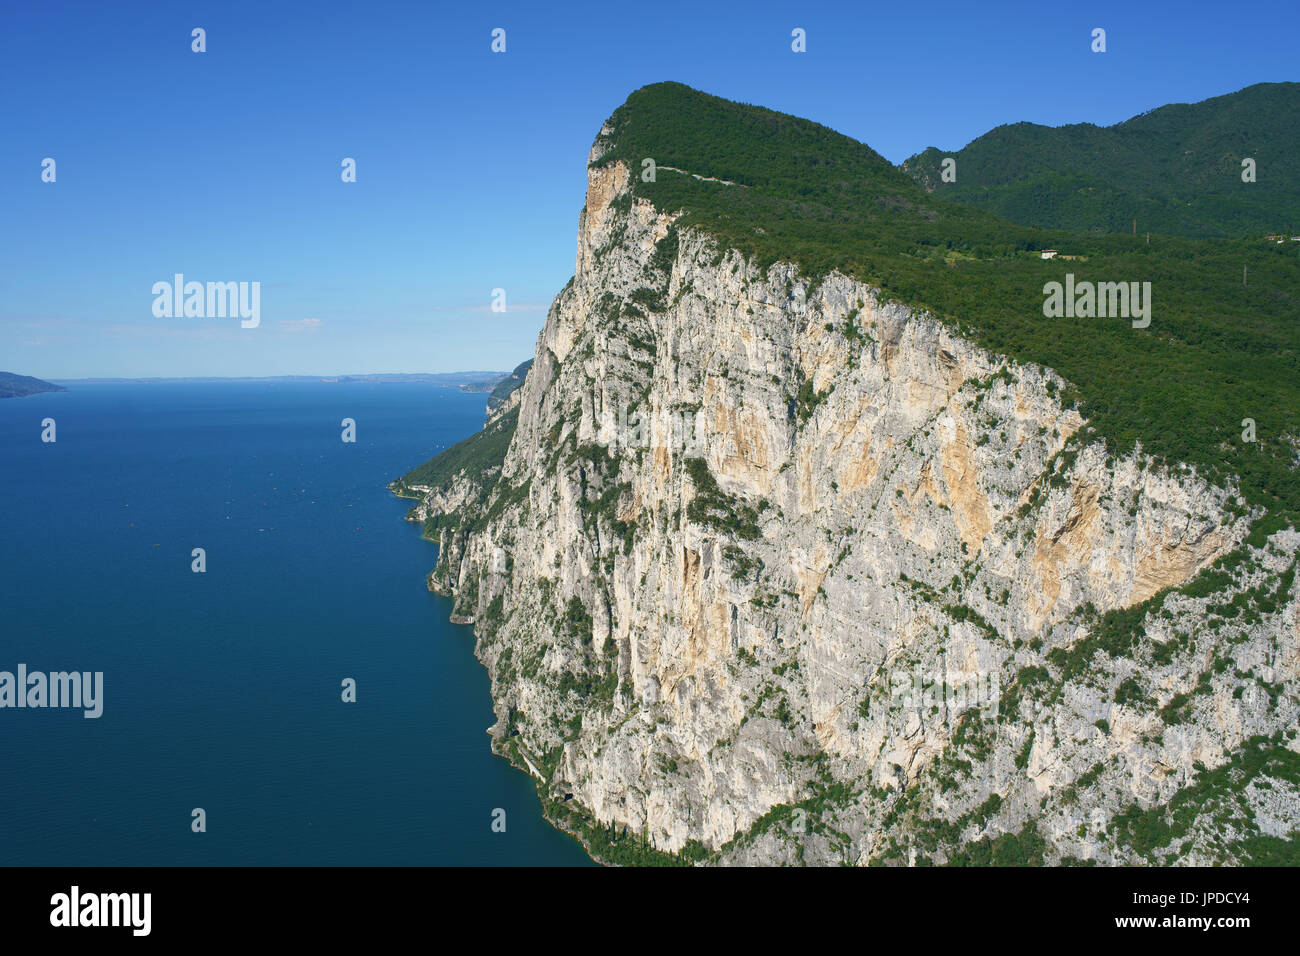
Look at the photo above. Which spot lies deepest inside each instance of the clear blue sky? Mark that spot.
(225, 165)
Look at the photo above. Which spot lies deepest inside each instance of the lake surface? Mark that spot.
(222, 690)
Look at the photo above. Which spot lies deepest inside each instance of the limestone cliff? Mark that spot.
(781, 571)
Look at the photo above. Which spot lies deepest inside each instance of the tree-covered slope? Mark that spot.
(475, 457)
(1216, 351)
(507, 386)
(16, 386)
(1176, 169)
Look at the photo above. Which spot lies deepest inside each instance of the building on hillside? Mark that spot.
(1049, 253)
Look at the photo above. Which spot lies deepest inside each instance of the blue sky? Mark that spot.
(224, 166)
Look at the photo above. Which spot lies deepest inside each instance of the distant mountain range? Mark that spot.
(1176, 170)
(16, 386)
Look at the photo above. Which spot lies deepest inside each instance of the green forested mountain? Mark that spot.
(1176, 169)
(1217, 351)
(16, 386)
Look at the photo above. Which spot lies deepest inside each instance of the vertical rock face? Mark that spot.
(783, 572)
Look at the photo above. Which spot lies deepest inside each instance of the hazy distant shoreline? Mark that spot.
(435, 378)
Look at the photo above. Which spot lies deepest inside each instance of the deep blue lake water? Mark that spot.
(222, 690)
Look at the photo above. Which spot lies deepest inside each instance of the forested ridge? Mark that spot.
(1176, 169)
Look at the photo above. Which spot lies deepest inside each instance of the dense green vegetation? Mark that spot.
(1176, 169)
(1007, 849)
(1215, 352)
